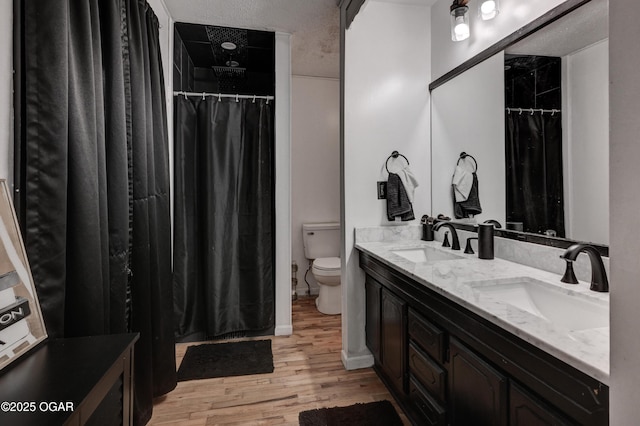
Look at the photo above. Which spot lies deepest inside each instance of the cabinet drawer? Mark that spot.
(424, 406)
(427, 335)
(427, 372)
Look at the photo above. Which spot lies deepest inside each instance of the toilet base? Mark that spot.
(329, 300)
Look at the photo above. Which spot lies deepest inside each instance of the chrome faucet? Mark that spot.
(455, 245)
(599, 280)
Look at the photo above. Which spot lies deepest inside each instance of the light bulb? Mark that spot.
(488, 10)
(461, 29)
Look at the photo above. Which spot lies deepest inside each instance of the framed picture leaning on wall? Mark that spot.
(21, 323)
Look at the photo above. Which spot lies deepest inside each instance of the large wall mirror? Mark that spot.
(535, 118)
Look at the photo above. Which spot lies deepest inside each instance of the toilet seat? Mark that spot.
(327, 266)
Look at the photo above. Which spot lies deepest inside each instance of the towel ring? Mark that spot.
(394, 154)
(463, 156)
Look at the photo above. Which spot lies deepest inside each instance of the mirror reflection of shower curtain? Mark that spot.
(223, 218)
(533, 146)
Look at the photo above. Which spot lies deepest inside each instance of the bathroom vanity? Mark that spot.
(458, 341)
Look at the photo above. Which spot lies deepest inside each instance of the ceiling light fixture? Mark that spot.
(228, 45)
(460, 20)
(488, 9)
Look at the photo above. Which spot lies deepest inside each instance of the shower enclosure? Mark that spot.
(223, 182)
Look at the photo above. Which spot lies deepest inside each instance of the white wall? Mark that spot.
(6, 91)
(386, 108)
(586, 130)
(315, 162)
(447, 54)
(283, 324)
(624, 151)
(467, 115)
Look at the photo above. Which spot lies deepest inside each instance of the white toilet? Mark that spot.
(322, 244)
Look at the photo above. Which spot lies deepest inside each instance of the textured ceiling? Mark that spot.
(313, 25)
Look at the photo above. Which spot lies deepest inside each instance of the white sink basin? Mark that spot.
(571, 310)
(425, 254)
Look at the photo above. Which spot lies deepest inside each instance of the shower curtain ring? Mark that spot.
(237, 100)
(532, 111)
(520, 111)
(203, 96)
(254, 99)
(219, 97)
(553, 112)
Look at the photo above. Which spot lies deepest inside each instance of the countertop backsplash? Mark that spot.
(534, 255)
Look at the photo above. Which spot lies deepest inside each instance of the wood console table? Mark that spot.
(64, 381)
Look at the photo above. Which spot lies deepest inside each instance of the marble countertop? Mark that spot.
(458, 280)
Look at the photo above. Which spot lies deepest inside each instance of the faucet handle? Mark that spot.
(445, 242)
(468, 249)
(569, 276)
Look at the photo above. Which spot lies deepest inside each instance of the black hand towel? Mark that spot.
(398, 204)
(471, 206)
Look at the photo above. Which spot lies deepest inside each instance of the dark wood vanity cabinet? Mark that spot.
(448, 366)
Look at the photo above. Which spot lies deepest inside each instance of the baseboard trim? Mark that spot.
(356, 362)
(283, 330)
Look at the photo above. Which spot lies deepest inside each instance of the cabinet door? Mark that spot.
(477, 392)
(527, 410)
(393, 343)
(372, 328)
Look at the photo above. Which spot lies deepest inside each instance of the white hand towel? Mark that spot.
(408, 179)
(462, 182)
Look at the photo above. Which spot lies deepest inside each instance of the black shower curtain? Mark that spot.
(223, 215)
(92, 178)
(533, 146)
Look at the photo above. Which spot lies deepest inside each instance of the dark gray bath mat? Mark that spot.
(380, 413)
(226, 359)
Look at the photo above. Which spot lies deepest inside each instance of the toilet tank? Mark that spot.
(321, 240)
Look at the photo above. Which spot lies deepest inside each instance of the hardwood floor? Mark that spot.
(308, 374)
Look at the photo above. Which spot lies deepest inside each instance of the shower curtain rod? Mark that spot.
(223, 95)
(532, 110)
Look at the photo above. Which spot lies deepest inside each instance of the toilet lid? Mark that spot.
(327, 263)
